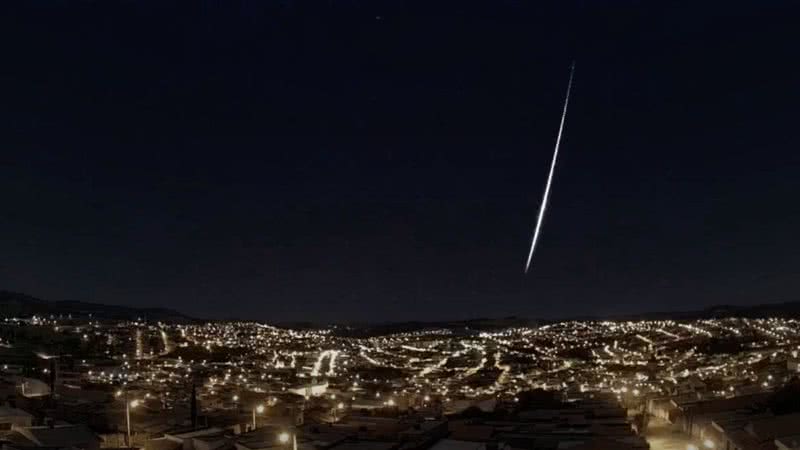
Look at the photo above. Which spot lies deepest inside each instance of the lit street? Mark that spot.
(662, 435)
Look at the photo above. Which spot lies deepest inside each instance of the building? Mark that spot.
(73, 437)
(11, 418)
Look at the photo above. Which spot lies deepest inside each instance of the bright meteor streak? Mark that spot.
(550, 176)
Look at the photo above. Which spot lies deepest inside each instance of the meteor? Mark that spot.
(546, 196)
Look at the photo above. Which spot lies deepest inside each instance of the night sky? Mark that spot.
(384, 160)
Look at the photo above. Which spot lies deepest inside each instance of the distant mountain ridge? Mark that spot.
(15, 304)
(782, 309)
(468, 325)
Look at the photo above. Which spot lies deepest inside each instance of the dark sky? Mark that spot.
(384, 160)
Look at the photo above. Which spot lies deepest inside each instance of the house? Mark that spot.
(57, 437)
(32, 387)
(204, 439)
(13, 417)
(788, 442)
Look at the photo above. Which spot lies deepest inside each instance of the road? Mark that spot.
(662, 435)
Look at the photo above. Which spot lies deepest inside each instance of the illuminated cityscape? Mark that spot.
(399, 225)
(588, 384)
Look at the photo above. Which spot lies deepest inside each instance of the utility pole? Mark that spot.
(194, 406)
(127, 420)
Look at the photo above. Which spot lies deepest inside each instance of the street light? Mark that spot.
(128, 406)
(286, 438)
(258, 409)
(340, 407)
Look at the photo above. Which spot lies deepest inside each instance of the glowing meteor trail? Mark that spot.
(552, 170)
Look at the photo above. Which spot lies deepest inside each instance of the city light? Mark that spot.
(437, 372)
(285, 225)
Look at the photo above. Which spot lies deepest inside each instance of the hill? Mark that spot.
(14, 304)
(783, 309)
(458, 326)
